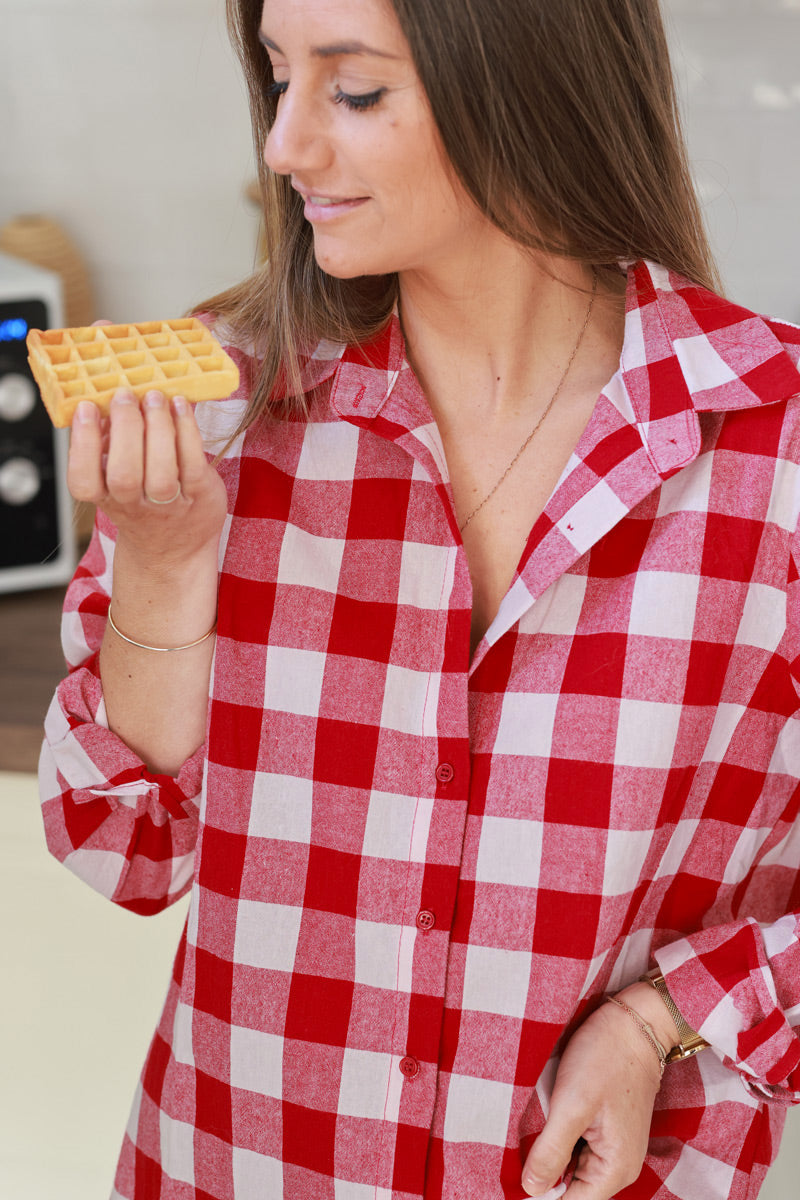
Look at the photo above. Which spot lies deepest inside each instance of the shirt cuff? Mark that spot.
(126, 831)
(738, 986)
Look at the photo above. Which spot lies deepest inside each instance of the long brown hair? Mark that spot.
(559, 118)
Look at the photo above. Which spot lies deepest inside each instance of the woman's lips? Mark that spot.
(328, 208)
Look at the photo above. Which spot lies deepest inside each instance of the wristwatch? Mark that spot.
(690, 1042)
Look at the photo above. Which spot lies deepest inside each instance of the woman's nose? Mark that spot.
(297, 140)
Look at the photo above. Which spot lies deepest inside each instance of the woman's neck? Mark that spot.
(489, 327)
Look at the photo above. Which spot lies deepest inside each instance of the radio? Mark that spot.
(37, 536)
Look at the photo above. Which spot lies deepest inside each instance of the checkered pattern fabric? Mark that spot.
(414, 873)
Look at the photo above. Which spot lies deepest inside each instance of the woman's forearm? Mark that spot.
(158, 702)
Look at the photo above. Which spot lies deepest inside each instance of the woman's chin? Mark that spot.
(334, 260)
(341, 269)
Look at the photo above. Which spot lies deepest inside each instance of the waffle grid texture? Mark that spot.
(177, 357)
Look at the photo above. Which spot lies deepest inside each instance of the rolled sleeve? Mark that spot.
(126, 831)
(738, 985)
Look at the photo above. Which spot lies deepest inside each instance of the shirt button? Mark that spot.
(425, 920)
(409, 1067)
(444, 772)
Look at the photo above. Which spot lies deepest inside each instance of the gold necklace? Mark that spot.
(536, 427)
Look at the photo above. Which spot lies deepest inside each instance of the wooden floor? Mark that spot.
(31, 664)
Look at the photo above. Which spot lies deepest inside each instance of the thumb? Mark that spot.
(550, 1155)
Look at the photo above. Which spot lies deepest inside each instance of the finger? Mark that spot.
(161, 458)
(605, 1166)
(85, 478)
(554, 1193)
(102, 321)
(192, 461)
(125, 460)
(591, 1179)
(596, 1180)
(551, 1153)
(580, 1189)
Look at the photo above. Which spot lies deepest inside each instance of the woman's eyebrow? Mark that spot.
(334, 50)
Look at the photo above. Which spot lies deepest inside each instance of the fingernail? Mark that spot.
(553, 1193)
(154, 400)
(180, 404)
(86, 412)
(123, 396)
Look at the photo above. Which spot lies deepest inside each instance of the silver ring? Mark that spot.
(171, 500)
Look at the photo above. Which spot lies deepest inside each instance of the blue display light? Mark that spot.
(15, 329)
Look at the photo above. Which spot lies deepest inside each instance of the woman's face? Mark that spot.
(354, 133)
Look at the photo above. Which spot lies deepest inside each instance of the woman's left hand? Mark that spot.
(605, 1088)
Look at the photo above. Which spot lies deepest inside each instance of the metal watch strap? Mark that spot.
(690, 1042)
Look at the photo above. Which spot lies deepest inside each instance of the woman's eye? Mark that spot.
(360, 103)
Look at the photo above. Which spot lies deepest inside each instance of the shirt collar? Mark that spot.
(367, 374)
(685, 351)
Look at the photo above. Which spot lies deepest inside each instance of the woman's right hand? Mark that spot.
(146, 468)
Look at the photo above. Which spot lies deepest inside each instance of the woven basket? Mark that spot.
(43, 242)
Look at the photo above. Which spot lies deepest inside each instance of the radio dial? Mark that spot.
(20, 481)
(17, 397)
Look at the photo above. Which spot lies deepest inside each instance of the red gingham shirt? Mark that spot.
(412, 875)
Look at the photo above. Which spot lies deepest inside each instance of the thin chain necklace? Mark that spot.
(536, 427)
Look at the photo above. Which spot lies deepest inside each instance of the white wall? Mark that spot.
(738, 62)
(127, 121)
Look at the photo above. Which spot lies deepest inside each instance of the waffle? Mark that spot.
(178, 358)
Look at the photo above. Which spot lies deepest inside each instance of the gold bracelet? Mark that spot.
(646, 1029)
(158, 649)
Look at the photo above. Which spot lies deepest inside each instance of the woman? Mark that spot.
(481, 713)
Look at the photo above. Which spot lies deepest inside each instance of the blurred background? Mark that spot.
(126, 121)
(738, 69)
(125, 128)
